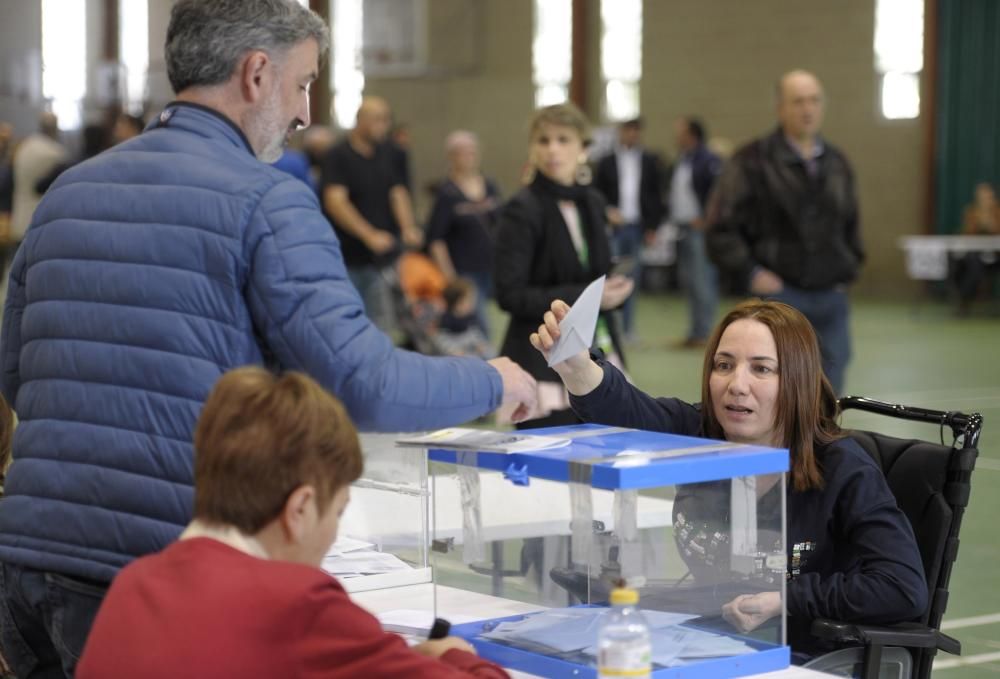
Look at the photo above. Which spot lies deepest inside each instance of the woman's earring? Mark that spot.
(583, 174)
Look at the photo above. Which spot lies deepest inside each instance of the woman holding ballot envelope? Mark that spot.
(551, 243)
(851, 552)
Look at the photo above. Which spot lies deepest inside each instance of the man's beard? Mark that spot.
(264, 128)
(273, 151)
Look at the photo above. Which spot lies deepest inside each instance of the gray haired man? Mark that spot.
(785, 220)
(149, 271)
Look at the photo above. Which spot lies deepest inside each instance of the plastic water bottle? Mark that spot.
(623, 647)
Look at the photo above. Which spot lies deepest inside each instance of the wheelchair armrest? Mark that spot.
(949, 644)
(906, 634)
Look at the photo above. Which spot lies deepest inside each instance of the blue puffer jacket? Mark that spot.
(147, 272)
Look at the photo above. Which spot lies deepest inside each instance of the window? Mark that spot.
(133, 52)
(552, 51)
(64, 58)
(899, 56)
(621, 57)
(348, 80)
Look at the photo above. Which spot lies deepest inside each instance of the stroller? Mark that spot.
(418, 291)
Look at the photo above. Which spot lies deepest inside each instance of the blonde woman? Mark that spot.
(551, 242)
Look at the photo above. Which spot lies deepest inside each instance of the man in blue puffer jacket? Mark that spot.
(149, 271)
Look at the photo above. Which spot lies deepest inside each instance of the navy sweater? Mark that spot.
(852, 555)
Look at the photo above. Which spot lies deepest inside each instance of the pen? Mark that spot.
(440, 629)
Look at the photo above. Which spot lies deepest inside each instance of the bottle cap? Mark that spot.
(624, 597)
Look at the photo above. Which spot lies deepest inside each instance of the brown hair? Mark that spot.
(564, 115)
(807, 408)
(259, 437)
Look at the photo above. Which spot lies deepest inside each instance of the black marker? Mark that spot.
(440, 629)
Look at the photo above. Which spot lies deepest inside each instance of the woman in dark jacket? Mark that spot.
(551, 243)
(461, 227)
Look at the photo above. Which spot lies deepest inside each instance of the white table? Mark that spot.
(453, 602)
(927, 257)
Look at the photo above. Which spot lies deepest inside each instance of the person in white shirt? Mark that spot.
(36, 157)
(691, 180)
(631, 180)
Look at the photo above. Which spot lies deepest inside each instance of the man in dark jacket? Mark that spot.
(147, 272)
(691, 181)
(631, 180)
(785, 220)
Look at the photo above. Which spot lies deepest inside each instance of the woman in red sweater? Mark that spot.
(240, 594)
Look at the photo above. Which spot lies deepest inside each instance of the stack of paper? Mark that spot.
(566, 630)
(458, 438)
(345, 544)
(352, 558)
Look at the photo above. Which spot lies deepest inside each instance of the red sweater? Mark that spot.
(201, 608)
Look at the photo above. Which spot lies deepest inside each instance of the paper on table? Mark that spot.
(570, 629)
(673, 645)
(564, 630)
(576, 330)
(363, 562)
(345, 544)
(460, 438)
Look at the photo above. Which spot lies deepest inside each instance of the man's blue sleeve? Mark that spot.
(312, 319)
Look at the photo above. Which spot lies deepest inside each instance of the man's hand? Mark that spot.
(579, 373)
(380, 242)
(765, 282)
(747, 612)
(413, 238)
(614, 215)
(617, 288)
(518, 387)
(435, 648)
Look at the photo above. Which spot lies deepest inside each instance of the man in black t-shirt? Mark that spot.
(369, 207)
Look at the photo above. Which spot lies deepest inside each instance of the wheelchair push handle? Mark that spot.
(966, 427)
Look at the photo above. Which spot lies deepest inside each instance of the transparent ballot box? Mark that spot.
(690, 523)
(383, 535)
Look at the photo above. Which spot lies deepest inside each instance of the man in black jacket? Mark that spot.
(785, 220)
(631, 179)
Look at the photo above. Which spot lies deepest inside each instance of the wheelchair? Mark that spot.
(932, 483)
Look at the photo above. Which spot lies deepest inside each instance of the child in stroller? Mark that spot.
(437, 317)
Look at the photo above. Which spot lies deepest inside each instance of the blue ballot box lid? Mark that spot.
(620, 458)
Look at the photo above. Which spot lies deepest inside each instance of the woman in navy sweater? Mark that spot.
(852, 555)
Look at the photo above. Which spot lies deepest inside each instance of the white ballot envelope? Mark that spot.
(576, 330)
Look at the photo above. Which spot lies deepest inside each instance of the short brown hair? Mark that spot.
(259, 437)
(807, 406)
(564, 115)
